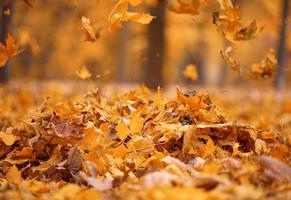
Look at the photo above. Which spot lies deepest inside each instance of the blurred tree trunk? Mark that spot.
(280, 78)
(6, 26)
(155, 52)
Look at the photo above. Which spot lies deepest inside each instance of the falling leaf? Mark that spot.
(186, 7)
(142, 18)
(84, 73)
(191, 72)
(7, 12)
(248, 32)
(11, 49)
(229, 23)
(91, 35)
(231, 62)
(120, 14)
(267, 67)
(8, 139)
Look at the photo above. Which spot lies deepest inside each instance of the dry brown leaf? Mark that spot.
(275, 169)
(100, 185)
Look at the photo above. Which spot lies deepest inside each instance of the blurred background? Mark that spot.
(50, 35)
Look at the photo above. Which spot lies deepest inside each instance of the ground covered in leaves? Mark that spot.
(138, 144)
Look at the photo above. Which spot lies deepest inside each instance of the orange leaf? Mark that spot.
(136, 124)
(8, 139)
(8, 51)
(14, 175)
(122, 131)
(84, 73)
(191, 72)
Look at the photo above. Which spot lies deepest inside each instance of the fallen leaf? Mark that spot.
(14, 175)
(100, 185)
(275, 169)
(122, 131)
(8, 139)
(136, 123)
(260, 146)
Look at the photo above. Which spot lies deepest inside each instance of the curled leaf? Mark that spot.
(91, 35)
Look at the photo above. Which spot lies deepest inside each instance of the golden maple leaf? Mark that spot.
(8, 51)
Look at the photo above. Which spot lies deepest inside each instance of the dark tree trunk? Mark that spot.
(280, 78)
(5, 25)
(155, 52)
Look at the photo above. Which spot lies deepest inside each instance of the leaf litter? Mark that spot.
(137, 145)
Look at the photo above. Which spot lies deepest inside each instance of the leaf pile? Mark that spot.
(140, 145)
